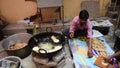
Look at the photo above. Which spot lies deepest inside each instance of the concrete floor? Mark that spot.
(28, 63)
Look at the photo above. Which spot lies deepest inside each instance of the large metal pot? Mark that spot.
(14, 39)
(45, 37)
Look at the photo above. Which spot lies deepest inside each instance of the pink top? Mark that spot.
(76, 26)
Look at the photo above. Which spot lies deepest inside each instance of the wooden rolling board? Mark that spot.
(100, 62)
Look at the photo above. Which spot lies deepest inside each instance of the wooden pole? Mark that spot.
(115, 4)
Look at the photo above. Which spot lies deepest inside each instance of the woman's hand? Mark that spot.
(107, 59)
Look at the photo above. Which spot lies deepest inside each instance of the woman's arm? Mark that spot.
(108, 59)
(115, 55)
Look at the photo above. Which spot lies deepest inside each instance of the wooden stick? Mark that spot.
(115, 5)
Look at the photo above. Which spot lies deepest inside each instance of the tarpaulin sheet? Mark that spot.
(80, 60)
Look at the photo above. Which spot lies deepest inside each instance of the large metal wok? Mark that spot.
(45, 37)
(21, 52)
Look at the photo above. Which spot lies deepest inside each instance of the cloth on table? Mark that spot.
(80, 59)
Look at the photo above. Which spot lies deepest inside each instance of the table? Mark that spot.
(51, 3)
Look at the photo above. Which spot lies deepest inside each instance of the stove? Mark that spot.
(57, 61)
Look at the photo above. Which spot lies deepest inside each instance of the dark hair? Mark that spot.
(84, 15)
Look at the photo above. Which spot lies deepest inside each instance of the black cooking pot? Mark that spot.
(45, 38)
